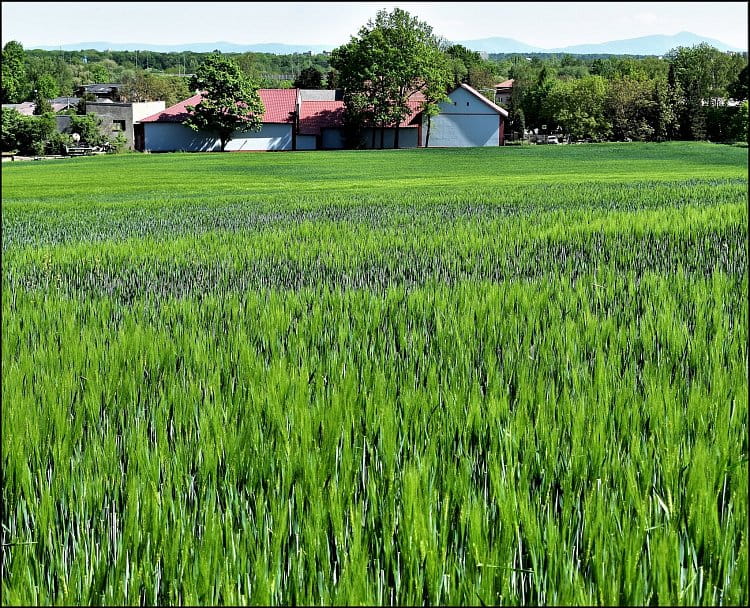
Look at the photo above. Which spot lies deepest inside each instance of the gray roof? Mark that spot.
(100, 88)
(320, 95)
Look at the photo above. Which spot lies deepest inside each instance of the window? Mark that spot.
(118, 125)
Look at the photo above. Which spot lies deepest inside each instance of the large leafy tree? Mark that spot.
(309, 78)
(578, 107)
(229, 102)
(14, 85)
(393, 57)
(140, 85)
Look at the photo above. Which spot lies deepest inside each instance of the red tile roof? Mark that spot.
(317, 115)
(279, 104)
(505, 84)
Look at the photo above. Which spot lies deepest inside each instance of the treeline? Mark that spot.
(691, 93)
(60, 73)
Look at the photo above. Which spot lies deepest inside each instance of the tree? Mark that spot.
(229, 100)
(738, 89)
(437, 77)
(630, 108)
(309, 78)
(88, 126)
(30, 135)
(140, 85)
(578, 106)
(98, 73)
(391, 59)
(332, 79)
(45, 88)
(468, 67)
(535, 106)
(15, 85)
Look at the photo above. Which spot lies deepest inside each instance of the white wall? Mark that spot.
(463, 130)
(270, 137)
(141, 109)
(463, 122)
(463, 102)
(173, 137)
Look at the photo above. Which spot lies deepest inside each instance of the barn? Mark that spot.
(301, 119)
(466, 120)
(164, 131)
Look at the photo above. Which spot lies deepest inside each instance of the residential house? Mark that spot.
(503, 91)
(102, 92)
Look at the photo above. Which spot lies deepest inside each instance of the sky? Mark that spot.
(543, 24)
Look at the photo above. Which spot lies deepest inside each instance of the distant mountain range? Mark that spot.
(645, 45)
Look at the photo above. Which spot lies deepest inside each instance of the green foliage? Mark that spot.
(229, 102)
(738, 88)
(118, 144)
(88, 126)
(14, 86)
(140, 85)
(367, 378)
(11, 126)
(309, 78)
(29, 135)
(468, 67)
(392, 58)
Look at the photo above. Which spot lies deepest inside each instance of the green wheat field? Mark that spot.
(472, 376)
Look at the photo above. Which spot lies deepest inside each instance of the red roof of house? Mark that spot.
(279, 104)
(505, 84)
(317, 115)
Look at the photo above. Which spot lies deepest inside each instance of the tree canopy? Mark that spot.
(393, 57)
(229, 102)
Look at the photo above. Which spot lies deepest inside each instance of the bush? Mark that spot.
(29, 135)
(118, 144)
(87, 126)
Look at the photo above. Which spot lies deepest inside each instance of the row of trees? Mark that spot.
(683, 96)
(156, 75)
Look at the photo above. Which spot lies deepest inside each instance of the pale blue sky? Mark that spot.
(544, 24)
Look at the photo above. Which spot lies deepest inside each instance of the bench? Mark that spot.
(79, 150)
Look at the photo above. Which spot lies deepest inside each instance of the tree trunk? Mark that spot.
(427, 138)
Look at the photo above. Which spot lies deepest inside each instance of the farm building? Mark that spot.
(164, 131)
(467, 119)
(322, 117)
(302, 119)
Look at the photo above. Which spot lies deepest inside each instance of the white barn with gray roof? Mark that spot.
(467, 119)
